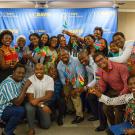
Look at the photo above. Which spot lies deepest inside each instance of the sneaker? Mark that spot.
(77, 119)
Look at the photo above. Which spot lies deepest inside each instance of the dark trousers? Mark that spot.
(12, 116)
(97, 109)
(114, 114)
(101, 115)
(60, 105)
(93, 103)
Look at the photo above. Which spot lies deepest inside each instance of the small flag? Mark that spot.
(73, 80)
(97, 77)
(43, 53)
(65, 25)
(81, 80)
(37, 50)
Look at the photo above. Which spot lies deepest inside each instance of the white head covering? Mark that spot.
(21, 36)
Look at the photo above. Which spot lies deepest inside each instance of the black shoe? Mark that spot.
(92, 118)
(5, 134)
(109, 132)
(100, 128)
(60, 121)
(77, 119)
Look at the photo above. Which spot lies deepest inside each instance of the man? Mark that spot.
(113, 82)
(39, 95)
(70, 71)
(58, 97)
(126, 48)
(91, 69)
(11, 96)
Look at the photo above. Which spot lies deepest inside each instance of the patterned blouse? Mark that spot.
(128, 99)
(48, 57)
(9, 54)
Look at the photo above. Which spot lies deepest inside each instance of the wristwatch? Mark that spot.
(42, 105)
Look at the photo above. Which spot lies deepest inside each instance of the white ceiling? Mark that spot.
(123, 4)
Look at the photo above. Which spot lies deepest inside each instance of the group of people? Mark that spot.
(48, 79)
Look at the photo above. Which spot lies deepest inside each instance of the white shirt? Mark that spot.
(120, 100)
(126, 52)
(91, 71)
(39, 87)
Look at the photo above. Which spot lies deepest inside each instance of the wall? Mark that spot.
(126, 24)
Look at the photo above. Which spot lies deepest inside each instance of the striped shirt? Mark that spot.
(9, 89)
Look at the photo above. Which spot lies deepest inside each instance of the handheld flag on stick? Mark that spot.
(81, 80)
(65, 25)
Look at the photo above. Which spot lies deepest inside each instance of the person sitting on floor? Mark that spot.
(39, 95)
(128, 99)
(12, 94)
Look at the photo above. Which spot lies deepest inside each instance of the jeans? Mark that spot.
(12, 116)
(43, 117)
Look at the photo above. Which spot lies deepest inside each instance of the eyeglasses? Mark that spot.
(100, 60)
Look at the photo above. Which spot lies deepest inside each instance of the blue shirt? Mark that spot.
(58, 87)
(9, 89)
(75, 69)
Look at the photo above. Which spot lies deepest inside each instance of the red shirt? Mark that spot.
(9, 54)
(116, 77)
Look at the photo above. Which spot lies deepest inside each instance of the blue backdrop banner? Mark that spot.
(53, 21)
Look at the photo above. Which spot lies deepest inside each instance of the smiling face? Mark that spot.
(89, 41)
(21, 42)
(102, 62)
(44, 39)
(114, 48)
(65, 56)
(6, 40)
(39, 71)
(98, 34)
(73, 39)
(131, 84)
(34, 40)
(62, 41)
(19, 74)
(53, 42)
(84, 58)
(53, 72)
(119, 41)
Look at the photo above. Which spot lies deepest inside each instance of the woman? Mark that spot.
(20, 48)
(49, 54)
(32, 53)
(44, 39)
(74, 46)
(89, 41)
(127, 128)
(8, 55)
(100, 43)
